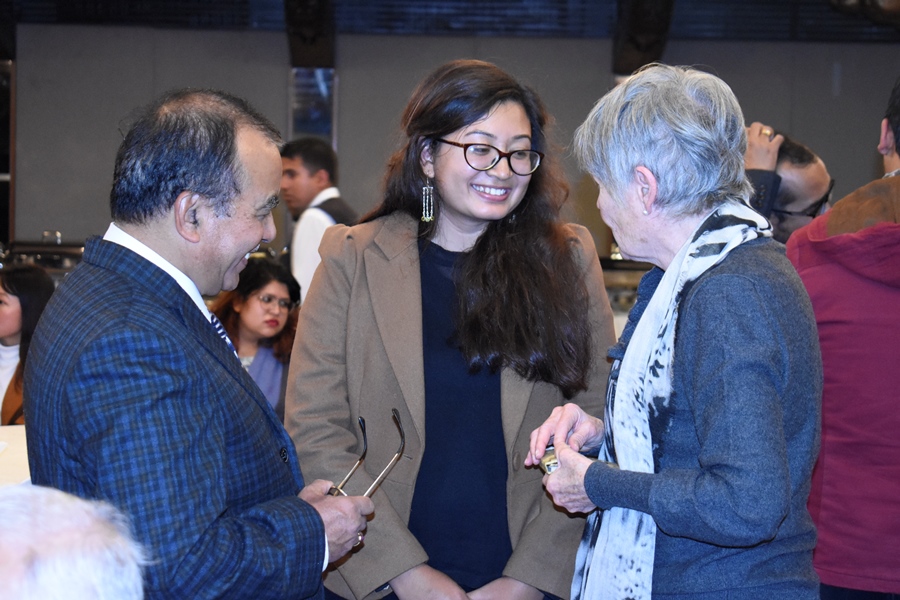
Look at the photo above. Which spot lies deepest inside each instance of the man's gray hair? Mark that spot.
(684, 125)
(55, 546)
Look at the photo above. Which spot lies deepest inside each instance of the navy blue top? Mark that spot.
(459, 505)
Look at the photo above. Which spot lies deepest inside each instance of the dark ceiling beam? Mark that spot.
(311, 32)
(642, 29)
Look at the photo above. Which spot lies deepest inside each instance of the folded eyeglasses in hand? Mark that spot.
(339, 488)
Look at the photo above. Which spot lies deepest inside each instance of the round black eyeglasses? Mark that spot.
(813, 209)
(484, 157)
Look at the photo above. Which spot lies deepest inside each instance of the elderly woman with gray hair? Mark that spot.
(711, 429)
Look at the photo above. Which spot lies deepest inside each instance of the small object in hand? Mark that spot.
(549, 463)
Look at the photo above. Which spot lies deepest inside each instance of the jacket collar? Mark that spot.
(170, 296)
(392, 270)
(874, 203)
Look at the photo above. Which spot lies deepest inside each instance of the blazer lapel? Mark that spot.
(515, 392)
(159, 284)
(395, 284)
(392, 270)
(207, 336)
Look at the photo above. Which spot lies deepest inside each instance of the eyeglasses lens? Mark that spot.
(483, 157)
(266, 300)
(816, 208)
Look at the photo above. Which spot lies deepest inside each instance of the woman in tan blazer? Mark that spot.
(463, 289)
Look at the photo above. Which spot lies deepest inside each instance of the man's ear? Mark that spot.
(187, 215)
(322, 179)
(886, 143)
(647, 187)
(426, 157)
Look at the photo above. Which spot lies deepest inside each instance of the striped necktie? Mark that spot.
(220, 329)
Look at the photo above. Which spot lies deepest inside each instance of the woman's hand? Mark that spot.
(425, 582)
(566, 484)
(567, 424)
(506, 588)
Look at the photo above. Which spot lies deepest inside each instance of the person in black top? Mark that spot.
(465, 303)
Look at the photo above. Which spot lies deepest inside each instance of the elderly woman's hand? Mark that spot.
(567, 424)
(566, 483)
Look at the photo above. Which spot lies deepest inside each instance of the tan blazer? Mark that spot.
(358, 352)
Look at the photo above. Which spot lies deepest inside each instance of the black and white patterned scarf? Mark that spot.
(615, 557)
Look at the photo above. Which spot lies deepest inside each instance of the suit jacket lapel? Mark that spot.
(159, 284)
(206, 335)
(515, 392)
(392, 270)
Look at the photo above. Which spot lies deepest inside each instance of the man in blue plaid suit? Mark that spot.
(132, 397)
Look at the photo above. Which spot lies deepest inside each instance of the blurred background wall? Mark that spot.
(76, 86)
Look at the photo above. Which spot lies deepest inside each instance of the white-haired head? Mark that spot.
(684, 125)
(55, 546)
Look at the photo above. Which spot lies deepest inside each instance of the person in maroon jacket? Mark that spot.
(849, 261)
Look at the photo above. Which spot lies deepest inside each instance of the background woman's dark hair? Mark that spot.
(33, 287)
(523, 301)
(259, 273)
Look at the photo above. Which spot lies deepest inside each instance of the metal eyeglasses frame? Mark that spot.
(339, 488)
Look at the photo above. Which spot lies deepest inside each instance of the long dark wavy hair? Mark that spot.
(259, 273)
(522, 299)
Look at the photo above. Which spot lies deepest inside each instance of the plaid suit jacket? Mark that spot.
(132, 397)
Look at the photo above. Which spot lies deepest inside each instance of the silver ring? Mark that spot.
(359, 537)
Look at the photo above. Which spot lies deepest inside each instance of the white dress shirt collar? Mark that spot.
(118, 236)
(326, 194)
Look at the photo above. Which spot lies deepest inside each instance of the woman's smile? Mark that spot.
(493, 194)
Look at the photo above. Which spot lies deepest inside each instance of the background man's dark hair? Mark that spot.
(794, 152)
(316, 154)
(185, 141)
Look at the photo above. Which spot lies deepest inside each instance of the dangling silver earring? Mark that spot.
(427, 202)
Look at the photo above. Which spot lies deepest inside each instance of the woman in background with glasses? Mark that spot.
(259, 318)
(466, 304)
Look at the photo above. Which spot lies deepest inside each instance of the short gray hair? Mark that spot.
(684, 125)
(55, 546)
